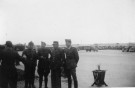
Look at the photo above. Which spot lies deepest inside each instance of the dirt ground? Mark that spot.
(119, 66)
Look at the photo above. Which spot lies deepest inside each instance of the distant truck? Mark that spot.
(128, 49)
(132, 49)
(91, 48)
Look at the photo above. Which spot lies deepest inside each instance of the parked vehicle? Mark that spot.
(91, 48)
(126, 49)
(132, 49)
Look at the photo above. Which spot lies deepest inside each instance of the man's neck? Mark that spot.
(69, 47)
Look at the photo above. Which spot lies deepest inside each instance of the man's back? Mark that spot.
(9, 56)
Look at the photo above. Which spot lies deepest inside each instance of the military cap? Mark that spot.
(9, 44)
(31, 43)
(68, 40)
(55, 42)
(43, 42)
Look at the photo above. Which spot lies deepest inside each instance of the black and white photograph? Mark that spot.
(67, 43)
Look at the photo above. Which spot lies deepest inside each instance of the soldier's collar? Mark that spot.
(31, 49)
(69, 47)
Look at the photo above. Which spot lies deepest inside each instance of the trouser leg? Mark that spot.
(32, 77)
(56, 78)
(26, 76)
(52, 78)
(13, 84)
(46, 79)
(3, 78)
(40, 80)
(26, 83)
(4, 83)
(13, 81)
(28, 80)
(73, 73)
(32, 82)
(69, 80)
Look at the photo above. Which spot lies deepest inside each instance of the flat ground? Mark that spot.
(120, 68)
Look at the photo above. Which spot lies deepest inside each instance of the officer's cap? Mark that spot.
(9, 44)
(31, 43)
(55, 42)
(68, 40)
(43, 42)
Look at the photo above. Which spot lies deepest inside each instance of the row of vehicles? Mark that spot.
(90, 48)
(128, 49)
(96, 48)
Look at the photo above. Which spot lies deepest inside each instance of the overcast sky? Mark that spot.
(83, 21)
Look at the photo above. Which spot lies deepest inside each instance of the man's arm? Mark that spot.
(23, 53)
(38, 54)
(1, 56)
(23, 57)
(62, 57)
(50, 53)
(19, 58)
(76, 55)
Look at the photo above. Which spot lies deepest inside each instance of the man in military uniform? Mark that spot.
(43, 64)
(8, 70)
(30, 65)
(72, 59)
(56, 64)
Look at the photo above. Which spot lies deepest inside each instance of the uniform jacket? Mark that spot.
(31, 57)
(43, 57)
(57, 58)
(72, 57)
(9, 57)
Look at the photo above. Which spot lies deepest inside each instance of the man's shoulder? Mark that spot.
(9, 51)
(43, 49)
(62, 49)
(59, 49)
(73, 48)
(39, 49)
(28, 50)
(48, 49)
(25, 50)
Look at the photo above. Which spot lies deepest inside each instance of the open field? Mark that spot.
(120, 68)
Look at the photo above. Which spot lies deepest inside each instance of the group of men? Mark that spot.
(49, 61)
